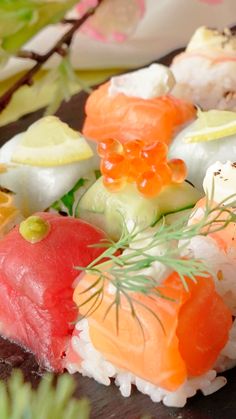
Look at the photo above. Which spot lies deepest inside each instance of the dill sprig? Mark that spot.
(126, 271)
(19, 401)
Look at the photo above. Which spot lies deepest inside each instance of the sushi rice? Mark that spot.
(95, 366)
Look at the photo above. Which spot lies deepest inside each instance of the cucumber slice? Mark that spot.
(110, 211)
(174, 217)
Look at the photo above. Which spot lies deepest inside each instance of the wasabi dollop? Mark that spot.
(34, 229)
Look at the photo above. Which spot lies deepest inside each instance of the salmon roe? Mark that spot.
(149, 183)
(114, 185)
(137, 162)
(109, 146)
(154, 152)
(114, 165)
(133, 148)
(178, 169)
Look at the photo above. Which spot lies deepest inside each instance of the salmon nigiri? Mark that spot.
(218, 248)
(127, 114)
(193, 328)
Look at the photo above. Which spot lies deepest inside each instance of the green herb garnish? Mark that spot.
(124, 271)
(19, 401)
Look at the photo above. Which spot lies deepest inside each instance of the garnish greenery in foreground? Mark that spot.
(124, 271)
(20, 20)
(19, 401)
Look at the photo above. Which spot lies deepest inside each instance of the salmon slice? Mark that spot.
(225, 237)
(163, 356)
(126, 118)
(203, 327)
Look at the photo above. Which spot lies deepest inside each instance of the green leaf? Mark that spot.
(64, 77)
(19, 401)
(98, 174)
(20, 20)
(69, 198)
(4, 57)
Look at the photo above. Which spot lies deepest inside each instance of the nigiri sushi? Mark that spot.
(168, 363)
(215, 140)
(136, 106)
(37, 272)
(44, 163)
(218, 248)
(206, 72)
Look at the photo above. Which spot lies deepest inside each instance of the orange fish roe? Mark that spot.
(114, 185)
(149, 183)
(154, 152)
(133, 148)
(140, 163)
(179, 170)
(114, 165)
(108, 146)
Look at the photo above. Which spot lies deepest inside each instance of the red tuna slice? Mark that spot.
(36, 285)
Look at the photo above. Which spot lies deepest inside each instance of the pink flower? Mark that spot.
(84, 5)
(114, 20)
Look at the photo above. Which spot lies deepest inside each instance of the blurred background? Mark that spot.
(120, 35)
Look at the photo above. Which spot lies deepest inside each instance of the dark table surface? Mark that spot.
(107, 402)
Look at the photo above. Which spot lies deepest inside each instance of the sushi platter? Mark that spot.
(117, 259)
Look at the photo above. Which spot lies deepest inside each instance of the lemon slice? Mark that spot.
(211, 125)
(50, 142)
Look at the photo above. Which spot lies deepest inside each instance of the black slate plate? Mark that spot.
(107, 403)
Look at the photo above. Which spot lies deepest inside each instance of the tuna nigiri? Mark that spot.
(158, 361)
(37, 272)
(120, 109)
